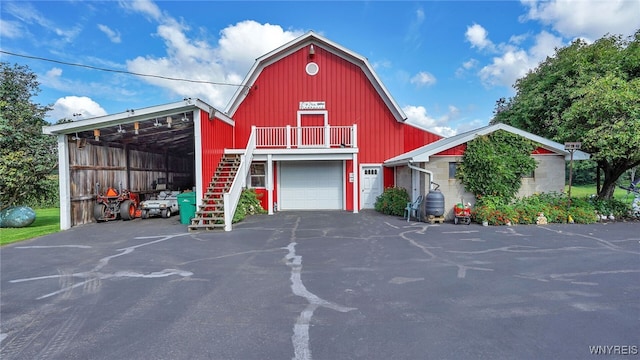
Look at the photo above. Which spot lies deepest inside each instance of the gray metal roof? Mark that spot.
(153, 132)
(423, 153)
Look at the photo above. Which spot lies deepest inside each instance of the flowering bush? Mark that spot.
(526, 210)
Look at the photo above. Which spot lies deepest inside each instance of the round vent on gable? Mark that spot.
(312, 68)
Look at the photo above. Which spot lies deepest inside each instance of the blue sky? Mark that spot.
(444, 62)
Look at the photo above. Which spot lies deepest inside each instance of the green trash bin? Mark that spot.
(187, 206)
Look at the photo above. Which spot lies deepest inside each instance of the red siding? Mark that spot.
(540, 151)
(263, 196)
(415, 138)
(454, 151)
(216, 136)
(350, 98)
(388, 177)
(274, 98)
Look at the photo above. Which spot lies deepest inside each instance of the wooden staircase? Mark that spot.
(210, 215)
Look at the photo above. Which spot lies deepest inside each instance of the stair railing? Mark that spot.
(232, 197)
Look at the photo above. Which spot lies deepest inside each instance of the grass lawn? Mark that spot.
(47, 222)
(581, 191)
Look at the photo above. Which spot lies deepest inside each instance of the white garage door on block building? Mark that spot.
(312, 185)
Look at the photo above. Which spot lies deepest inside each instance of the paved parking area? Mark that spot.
(322, 285)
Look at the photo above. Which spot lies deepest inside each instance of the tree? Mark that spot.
(26, 155)
(588, 93)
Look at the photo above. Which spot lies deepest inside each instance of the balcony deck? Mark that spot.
(304, 140)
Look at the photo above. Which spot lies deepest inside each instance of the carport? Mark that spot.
(130, 150)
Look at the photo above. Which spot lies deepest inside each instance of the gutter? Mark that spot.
(411, 166)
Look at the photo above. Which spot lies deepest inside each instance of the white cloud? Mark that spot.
(228, 62)
(114, 36)
(65, 107)
(54, 73)
(478, 37)
(10, 29)
(423, 78)
(414, 35)
(515, 62)
(590, 19)
(470, 64)
(418, 116)
(54, 79)
(242, 43)
(466, 66)
(145, 7)
(26, 13)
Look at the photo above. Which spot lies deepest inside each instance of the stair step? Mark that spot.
(206, 227)
(207, 221)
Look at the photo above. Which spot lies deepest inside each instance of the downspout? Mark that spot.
(411, 166)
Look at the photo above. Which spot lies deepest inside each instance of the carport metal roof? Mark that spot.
(153, 131)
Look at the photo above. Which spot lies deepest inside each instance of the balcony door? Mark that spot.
(311, 128)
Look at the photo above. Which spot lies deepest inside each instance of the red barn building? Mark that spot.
(310, 128)
(323, 123)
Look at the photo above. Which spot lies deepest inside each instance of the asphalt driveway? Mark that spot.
(322, 285)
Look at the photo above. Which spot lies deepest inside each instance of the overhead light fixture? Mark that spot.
(157, 124)
(169, 120)
(136, 127)
(96, 134)
(121, 130)
(312, 51)
(184, 117)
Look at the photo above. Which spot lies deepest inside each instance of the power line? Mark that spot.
(118, 71)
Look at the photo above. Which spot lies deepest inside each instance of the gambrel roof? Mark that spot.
(423, 153)
(311, 38)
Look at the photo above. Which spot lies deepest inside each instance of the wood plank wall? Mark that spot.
(110, 166)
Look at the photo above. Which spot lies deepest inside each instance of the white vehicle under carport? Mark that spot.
(165, 205)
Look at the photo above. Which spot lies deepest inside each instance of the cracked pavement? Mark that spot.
(321, 285)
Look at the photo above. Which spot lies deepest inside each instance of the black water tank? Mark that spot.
(434, 203)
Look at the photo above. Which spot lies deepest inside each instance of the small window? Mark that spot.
(453, 167)
(258, 175)
(530, 175)
(312, 68)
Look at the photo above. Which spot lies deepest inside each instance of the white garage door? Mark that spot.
(313, 185)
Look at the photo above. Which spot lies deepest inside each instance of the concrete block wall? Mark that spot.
(403, 178)
(548, 177)
(452, 189)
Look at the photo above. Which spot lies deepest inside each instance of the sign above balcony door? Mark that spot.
(312, 125)
(312, 105)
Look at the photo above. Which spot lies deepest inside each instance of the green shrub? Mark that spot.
(249, 204)
(615, 207)
(495, 211)
(393, 201)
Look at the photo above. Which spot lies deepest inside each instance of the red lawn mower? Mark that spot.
(114, 204)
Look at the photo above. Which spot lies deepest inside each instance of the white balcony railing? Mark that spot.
(291, 137)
